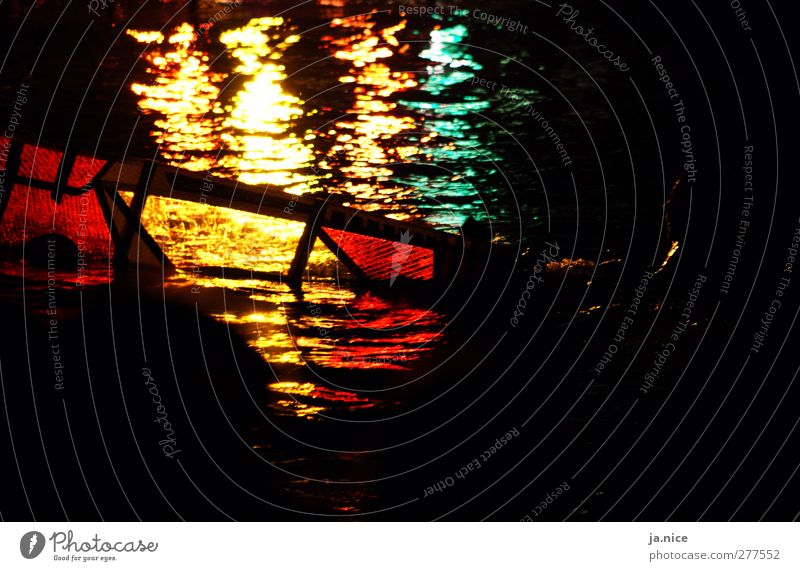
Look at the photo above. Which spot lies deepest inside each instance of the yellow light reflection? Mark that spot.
(308, 399)
(184, 93)
(255, 127)
(194, 235)
(300, 409)
(258, 126)
(145, 36)
(266, 333)
(672, 250)
(362, 146)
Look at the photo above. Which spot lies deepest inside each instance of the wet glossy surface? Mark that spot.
(395, 130)
(383, 112)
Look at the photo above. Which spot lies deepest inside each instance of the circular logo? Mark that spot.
(31, 544)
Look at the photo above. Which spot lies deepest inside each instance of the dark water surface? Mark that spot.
(337, 401)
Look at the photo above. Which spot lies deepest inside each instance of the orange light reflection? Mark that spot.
(258, 126)
(362, 143)
(183, 92)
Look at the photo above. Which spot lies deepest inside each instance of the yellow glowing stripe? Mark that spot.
(671, 253)
(257, 125)
(194, 234)
(145, 36)
(184, 91)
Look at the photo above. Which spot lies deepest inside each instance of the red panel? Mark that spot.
(41, 163)
(84, 170)
(32, 212)
(381, 259)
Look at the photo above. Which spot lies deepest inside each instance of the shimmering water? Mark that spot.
(386, 112)
(390, 125)
(382, 112)
(370, 107)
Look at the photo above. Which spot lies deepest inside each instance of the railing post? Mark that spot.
(295, 276)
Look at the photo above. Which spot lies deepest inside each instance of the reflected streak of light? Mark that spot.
(672, 250)
(321, 398)
(362, 141)
(184, 92)
(258, 125)
(194, 235)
